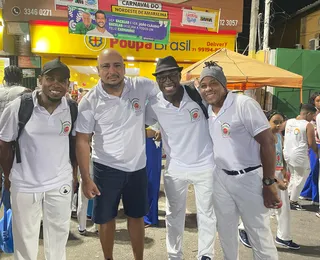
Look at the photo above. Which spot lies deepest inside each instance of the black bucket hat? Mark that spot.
(166, 64)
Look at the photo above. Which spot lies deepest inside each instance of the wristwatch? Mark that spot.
(268, 181)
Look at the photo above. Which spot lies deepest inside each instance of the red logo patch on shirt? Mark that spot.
(65, 128)
(194, 114)
(225, 129)
(135, 105)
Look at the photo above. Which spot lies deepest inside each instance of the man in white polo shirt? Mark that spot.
(114, 111)
(41, 184)
(187, 143)
(242, 141)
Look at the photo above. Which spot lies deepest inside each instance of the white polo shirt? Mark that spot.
(233, 130)
(118, 124)
(185, 136)
(44, 146)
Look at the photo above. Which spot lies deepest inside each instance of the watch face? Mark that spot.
(268, 181)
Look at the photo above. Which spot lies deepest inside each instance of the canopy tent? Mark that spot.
(245, 73)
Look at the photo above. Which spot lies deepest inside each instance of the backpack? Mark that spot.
(195, 96)
(24, 114)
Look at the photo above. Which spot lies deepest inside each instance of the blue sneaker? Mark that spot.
(205, 258)
(288, 244)
(244, 239)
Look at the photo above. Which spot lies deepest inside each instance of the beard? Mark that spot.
(112, 86)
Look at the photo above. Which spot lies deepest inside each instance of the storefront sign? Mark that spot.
(110, 25)
(140, 4)
(139, 12)
(230, 19)
(201, 19)
(29, 62)
(190, 47)
(63, 4)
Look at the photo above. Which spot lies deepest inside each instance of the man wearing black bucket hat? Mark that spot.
(244, 156)
(188, 147)
(41, 176)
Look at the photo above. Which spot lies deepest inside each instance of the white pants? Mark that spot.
(176, 188)
(241, 195)
(27, 209)
(82, 208)
(298, 178)
(283, 214)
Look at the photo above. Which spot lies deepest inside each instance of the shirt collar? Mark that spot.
(185, 98)
(226, 104)
(63, 105)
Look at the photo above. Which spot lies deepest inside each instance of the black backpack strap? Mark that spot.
(195, 96)
(24, 114)
(74, 114)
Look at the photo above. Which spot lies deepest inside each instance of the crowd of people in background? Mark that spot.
(105, 145)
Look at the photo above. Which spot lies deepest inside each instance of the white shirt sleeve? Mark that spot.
(318, 124)
(151, 117)
(9, 121)
(253, 117)
(85, 122)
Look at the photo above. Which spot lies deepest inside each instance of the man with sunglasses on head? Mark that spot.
(41, 182)
(189, 151)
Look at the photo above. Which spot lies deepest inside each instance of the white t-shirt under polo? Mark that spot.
(44, 146)
(233, 130)
(185, 136)
(118, 124)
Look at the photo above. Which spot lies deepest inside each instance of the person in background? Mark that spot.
(283, 237)
(10, 90)
(85, 25)
(244, 183)
(299, 137)
(310, 190)
(154, 160)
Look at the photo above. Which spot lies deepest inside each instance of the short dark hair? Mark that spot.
(308, 108)
(13, 75)
(313, 97)
(269, 114)
(100, 12)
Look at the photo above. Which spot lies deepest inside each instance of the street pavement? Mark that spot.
(305, 230)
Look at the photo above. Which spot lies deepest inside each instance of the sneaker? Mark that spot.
(244, 238)
(82, 232)
(304, 198)
(318, 214)
(205, 258)
(288, 244)
(296, 205)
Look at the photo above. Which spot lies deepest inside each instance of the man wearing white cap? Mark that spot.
(244, 154)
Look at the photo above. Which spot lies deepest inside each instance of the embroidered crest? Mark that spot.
(65, 127)
(65, 189)
(225, 129)
(135, 105)
(194, 114)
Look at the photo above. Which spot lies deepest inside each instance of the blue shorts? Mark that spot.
(114, 185)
